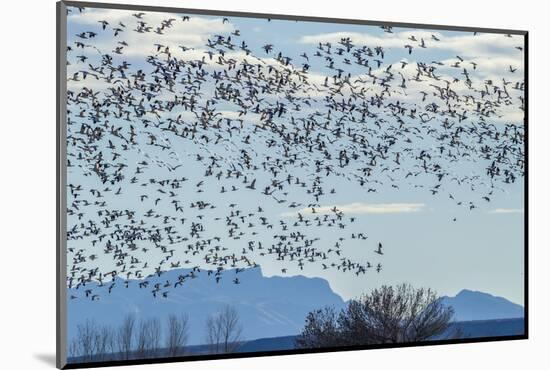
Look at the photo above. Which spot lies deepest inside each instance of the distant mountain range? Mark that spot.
(268, 306)
(470, 305)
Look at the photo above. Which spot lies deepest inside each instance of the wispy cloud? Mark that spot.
(193, 33)
(466, 44)
(507, 210)
(362, 208)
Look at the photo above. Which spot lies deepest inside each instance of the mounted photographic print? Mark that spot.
(235, 184)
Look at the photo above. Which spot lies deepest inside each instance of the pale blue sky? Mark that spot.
(481, 250)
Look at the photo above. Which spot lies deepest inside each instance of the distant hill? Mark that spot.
(487, 328)
(268, 306)
(470, 305)
(269, 344)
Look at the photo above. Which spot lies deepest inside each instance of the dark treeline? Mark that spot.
(151, 337)
(389, 314)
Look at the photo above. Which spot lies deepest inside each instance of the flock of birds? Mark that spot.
(157, 156)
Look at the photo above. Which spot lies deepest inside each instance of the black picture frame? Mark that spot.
(61, 176)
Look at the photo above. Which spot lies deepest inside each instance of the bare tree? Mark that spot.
(100, 343)
(105, 343)
(386, 315)
(176, 335)
(213, 334)
(148, 337)
(73, 349)
(224, 330)
(155, 336)
(92, 342)
(321, 329)
(125, 336)
(86, 339)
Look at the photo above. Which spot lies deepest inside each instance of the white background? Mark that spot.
(27, 170)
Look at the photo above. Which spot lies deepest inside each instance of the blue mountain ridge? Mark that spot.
(267, 306)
